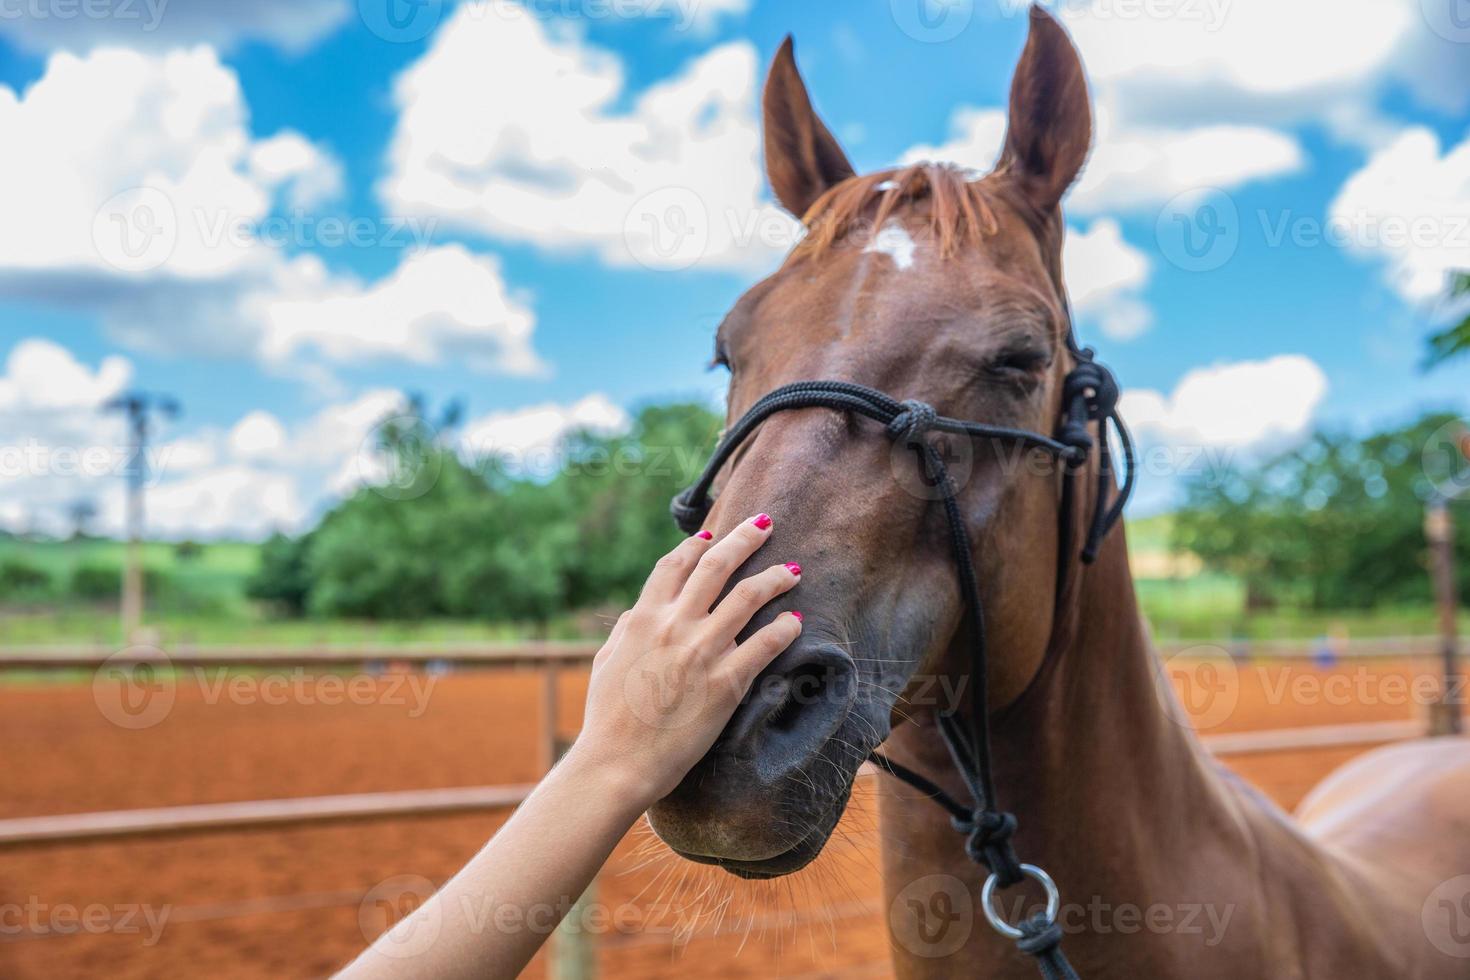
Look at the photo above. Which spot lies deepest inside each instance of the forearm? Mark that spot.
(492, 916)
(662, 687)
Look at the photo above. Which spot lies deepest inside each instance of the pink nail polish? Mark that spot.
(793, 568)
(799, 616)
(761, 521)
(704, 535)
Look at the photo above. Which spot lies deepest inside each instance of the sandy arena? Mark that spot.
(300, 902)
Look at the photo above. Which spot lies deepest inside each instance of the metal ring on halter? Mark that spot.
(1053, 901)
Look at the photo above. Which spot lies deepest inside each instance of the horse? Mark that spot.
(941, 284)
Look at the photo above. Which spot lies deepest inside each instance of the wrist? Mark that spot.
(614, 779)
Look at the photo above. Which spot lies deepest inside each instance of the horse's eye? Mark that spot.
(721, 358)
(1019, 364)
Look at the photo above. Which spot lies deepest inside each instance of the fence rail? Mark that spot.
(252, 814)
(529, 654)
(572, 652)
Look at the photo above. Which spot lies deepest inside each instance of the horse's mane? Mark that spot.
(960, 208)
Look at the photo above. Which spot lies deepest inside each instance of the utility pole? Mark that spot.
(138, 407)
(1439, 530)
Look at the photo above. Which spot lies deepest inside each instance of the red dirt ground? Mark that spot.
(300, 902)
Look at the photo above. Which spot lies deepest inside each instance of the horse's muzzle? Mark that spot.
(767, 795)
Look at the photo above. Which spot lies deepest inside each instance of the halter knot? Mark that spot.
(1090, 392)
(689, 516)
(1041, 935)
(1095, 383)
(1042, 938)
(912, 421)
(989, 843)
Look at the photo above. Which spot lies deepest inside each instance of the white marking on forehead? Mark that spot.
(887, 185)
(894, 241)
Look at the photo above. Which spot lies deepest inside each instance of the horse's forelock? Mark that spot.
(960, 208)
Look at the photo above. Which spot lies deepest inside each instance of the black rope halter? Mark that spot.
(1089, 394)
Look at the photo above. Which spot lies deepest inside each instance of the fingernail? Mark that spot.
(799, 616)
(793, 568)
(704, 535)
(761, 521)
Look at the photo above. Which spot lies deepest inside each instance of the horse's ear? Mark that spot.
(1050, 127)
(802, 157)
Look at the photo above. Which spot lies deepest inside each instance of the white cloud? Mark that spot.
(142, 198)
(529, 439)
(288, 159)
(43, 377)
(703, 15)
(186, 454)
(258, 434)
(232, 500)
(1105, 277)
(1409, 207)
(94, 127)
(443, 303)
(1133, 166)
(56, 443)
(245, 480)
(1265, 60)
(560, 165)
(1240, 405)
(1252, 47)
(161, 24)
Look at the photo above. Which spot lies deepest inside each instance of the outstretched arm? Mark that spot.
(662, 688)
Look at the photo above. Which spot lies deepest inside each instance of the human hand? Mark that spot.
(671, 675)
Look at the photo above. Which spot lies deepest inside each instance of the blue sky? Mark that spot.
(519, 145)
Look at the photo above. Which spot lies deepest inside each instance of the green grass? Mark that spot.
(100, 626)
(1150, 534)
(206, 604)
(215, 578)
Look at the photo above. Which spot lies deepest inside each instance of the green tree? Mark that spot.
(96, 582)
(1335, 523)
(282, 579)
(20, 580)
(1453, 340)
(618, 492)
(446, 536)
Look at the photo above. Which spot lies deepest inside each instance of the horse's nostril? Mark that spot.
(798, 703)
(808, 684)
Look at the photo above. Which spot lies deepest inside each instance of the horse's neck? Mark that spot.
(1106, 779)
(1113, 797)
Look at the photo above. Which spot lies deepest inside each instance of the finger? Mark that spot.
(719, 563)
(673, 569)
(746, 599)
(748, 659)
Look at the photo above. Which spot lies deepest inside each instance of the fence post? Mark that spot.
(1439, 530)
(573, 956)
(551, 748)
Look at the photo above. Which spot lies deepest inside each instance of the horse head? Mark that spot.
(929, 283)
